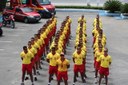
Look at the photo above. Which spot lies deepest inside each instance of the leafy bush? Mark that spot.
(124, 8)
(112, 5)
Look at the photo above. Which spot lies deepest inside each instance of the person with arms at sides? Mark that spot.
(63, 65)
(78, 58)
(52, 57)
(105, 61)
(26, 57)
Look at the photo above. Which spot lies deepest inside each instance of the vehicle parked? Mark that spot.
(9, 19)
(23, 14)
(34, 4)
(37, 6)
(48, 5)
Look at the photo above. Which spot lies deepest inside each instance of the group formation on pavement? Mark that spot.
(49, 45)
(101, 58)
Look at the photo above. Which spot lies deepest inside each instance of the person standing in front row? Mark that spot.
(78, 59)
(105, 61)
(63, 65)
(26, 57)
(52, 57)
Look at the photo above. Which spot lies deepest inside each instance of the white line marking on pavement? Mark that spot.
(13, 35)
(2, 49)
(15, 52)
(6, 41)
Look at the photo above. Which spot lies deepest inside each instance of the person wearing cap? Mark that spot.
(63, 65)
(52, 57)
(105, 61)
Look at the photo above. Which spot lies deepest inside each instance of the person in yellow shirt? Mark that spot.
(105, 61)
(82, 19)
(98, 53)
(78, 59)
(37, 47)
(26, 57)
(63, 65)
(52, 57)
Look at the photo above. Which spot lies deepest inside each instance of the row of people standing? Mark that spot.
(37, 47)
(58, 64)
(102, 60)
(79, 55)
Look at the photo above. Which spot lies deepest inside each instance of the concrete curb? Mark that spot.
(77, 10)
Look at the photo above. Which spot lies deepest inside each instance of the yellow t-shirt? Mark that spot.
(43, 35)
(33, 50)
(39, 42)
(62, 66)
(105, 61)
(80, 19)
(36, 46)
(53, 58)
(98, 54)
(78, 58)
(26, 57)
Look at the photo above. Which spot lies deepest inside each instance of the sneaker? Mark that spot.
(22, 83)
(35, 78)
(84, 81)
(26, 78)
(86, 76)
(103, 81)
(73, 84)
(49, 84)
(40, 67)
(96, 81)
(38, 72)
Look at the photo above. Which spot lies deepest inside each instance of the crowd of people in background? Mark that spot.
(49, 45)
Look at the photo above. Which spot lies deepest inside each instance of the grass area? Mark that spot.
(81, 7)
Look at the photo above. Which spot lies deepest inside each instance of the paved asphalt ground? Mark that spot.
(13, 39)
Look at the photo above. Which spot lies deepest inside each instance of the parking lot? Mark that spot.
(13, 39)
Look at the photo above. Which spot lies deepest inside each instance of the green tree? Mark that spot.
(2, 4)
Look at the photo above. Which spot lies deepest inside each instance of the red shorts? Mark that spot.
(97, 65)
(104, 71)
(84, 67)
(27, 67)
(46, 41)
(94, 62)
(78, 68)
(33, 62)
(52, 69)
(62, 75)
(37, 58)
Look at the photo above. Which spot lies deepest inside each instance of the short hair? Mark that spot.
(24, 47)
